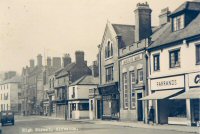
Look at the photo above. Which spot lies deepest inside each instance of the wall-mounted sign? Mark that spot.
(194, 79)
(167, 83)
(132, 59)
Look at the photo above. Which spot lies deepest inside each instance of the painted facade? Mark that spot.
(9, 94)
(174, 69)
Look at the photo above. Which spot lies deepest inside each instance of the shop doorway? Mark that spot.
(98, 109)
(195, 108)
(139, 107)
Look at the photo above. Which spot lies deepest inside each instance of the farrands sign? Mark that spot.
(194, 79)
(167, 83)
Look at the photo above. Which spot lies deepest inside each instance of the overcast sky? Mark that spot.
(56, 27)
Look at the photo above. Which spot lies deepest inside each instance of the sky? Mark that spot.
(55, 27)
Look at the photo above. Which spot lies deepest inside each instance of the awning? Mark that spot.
(190, 94)
(158, 95)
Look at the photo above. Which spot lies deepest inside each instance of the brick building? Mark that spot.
(70, 72)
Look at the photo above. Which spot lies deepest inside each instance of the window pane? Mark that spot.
(198, 54)
(125, 88)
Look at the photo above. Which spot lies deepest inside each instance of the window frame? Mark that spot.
(178, 22)
(138, 75)
(156, 68)
(125, 89)
(175, 58)
(132, 90)
(197, 51)
(109, 49)
(109, 76)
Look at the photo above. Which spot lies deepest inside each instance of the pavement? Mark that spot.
(178, 128)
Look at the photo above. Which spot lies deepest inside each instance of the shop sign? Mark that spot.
(194, 79)
(132, 59)
(167, 83)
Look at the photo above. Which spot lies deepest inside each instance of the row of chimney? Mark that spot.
(56, 61)
(143, 27)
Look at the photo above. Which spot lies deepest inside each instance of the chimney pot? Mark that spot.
(163, 17)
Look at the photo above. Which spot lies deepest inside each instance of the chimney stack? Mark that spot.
(66, 60)
(32, 64)
(39, 60)
(142, 21)
(94, 69)
(57, 62)
(79, 57)
(163, 17)
(48, 61)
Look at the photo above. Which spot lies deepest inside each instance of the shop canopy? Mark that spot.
(190, 94)
(158, 95)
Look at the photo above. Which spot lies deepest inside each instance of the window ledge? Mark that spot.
(156, 70)
(175, 67)
(109, 58)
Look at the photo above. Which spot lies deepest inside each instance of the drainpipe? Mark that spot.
(119, 44)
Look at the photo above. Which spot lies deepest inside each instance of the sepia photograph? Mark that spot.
(100, 67)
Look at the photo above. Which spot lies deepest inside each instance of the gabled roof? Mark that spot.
(126, 31)
(189, 5)
(191, 30)
(65, 70)
(86, 80)
(15, 79)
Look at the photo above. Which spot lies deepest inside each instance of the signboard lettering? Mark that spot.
(167, 83)
(194, 79)
(132, 59)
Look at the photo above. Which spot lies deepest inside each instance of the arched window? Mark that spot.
(108, 50)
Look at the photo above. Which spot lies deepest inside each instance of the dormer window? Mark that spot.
(178, 23)
(109, 50)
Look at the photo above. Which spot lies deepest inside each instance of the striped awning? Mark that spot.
(158, 95)
(190, 94)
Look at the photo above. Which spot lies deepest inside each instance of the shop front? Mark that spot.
(167, 111)
(110, 101)
(193, 95)
(94, 104)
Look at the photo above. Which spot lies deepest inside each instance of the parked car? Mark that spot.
(7, 118)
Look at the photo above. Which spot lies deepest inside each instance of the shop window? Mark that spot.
(174, 58)
(156, 62)
(140, 75)
(198, 54)
(178, 109)
(178, 23)
(109, 74)
(108, 50)
(125, 89)
(83, 106)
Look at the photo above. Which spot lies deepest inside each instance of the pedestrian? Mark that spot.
(151, 115)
